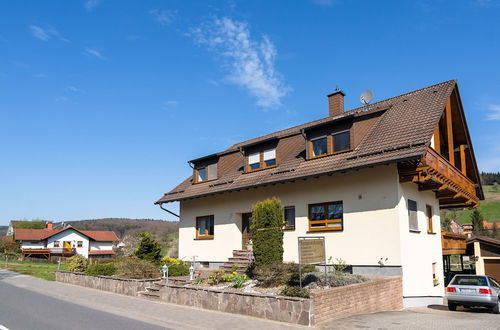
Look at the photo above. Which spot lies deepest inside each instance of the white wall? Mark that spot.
(371, 218)
(101, 245)
(32, 244)
(420, 250)
(73, 236)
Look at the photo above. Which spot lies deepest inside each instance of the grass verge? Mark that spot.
(45, 271)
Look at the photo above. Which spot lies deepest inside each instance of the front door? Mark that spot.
(246, 232)
(67, 245)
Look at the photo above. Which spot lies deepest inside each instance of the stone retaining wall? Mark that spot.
(285, 309)
(106, 283)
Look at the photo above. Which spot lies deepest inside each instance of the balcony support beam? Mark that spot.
(449, 129)
(463, 164)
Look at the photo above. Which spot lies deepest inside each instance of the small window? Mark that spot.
(205, 227)
(254, 161)
(341, 141)
(79, 244)
(290, 217)
(57, 244)
(412, 215)
(326, 216)
(261, 160)
(428, 211)
(435, 279)
(318, 147)
(206, 173)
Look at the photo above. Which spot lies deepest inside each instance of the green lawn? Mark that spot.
(36, 269)
(489, 208)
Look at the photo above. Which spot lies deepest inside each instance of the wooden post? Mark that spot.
(462, 160)
(437, 139)
(451, 149)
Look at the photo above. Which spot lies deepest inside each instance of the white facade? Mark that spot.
(98, 246)
(32, 244)
(375, 226)
(73, 237)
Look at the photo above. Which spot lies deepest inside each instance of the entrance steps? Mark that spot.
(152, 292)
(239, 262)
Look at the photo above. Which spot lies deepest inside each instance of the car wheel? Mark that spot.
(453, 307)
(496, 309)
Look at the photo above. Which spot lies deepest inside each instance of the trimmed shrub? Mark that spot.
(295, 291)
(77, 263)
(148, 249)
(339, 279)
(277, 274)
(267, 232)
(106, 269)
(134, 268)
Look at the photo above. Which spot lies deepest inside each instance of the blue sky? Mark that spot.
(103, 102)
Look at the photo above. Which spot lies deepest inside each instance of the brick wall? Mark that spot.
(379, 294)
(106, 283)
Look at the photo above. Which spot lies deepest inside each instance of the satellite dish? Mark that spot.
(366, 97)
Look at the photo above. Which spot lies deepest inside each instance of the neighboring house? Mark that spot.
(371, 180)
(66, 241)
(489, 225)
(13, 223)
(486, 253)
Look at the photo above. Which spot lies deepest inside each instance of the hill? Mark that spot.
(3, 230)
(123, 226)
(489, 208)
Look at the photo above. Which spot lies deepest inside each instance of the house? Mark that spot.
(66, 241)
(371, 181)
(486, 253)
(24, 224)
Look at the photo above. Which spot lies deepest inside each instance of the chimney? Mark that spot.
(336, 103)
(49, 225)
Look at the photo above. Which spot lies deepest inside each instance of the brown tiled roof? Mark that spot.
(402, 130)
(41, 234)
(101, 252)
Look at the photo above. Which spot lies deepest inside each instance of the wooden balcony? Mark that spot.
(434, 172)
(453, 243)
(47, 253)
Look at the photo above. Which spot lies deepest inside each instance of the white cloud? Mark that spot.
(171, 103)
(163, 17)
(73, 89)
(250, 63)
(94, 53)
(90, 4)
(45, 34)
(494, 112)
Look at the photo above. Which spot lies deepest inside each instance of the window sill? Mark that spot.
(415, 231)
(323, 231)
(203, 238)
(331, 154)
(204, 181)
(289, 228)
(258, 169)
(431, 233)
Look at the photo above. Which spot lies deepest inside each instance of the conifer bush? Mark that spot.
(267, 231)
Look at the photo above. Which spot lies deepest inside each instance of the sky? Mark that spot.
(102, 103)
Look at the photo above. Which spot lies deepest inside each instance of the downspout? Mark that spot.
(164, 209)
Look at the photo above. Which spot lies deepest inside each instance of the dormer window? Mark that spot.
(261, 160)
(329, 144)
(205, 173)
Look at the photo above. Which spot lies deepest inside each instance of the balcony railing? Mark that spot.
(65, 251)
(444, 168)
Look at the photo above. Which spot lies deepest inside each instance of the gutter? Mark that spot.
(164, 209)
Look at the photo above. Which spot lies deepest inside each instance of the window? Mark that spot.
(290, 217)
(261, 160)
(326, 216)
(79, 244)
(412, 215)
(318, 147)
(205, 227)
(435, 279)
(57, 244)
(428, 212)
(341, 141)
(329, 144)
(206, 173)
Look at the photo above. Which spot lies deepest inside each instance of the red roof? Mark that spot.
(101, 252)
(41, 234)
(101, 236)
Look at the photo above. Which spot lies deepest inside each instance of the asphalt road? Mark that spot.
(25, 309)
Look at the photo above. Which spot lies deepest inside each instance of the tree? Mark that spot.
(148, 249)
(477, 222)
(267, 231)
(494, 231)
(446, 221)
